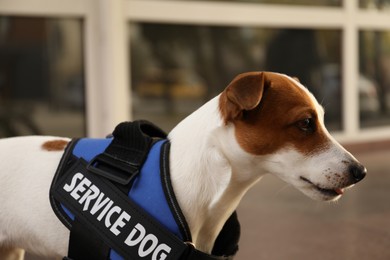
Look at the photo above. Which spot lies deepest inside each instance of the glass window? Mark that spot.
(176, 68)
(374, 78)
(41, 76)
(286, 2)
(375, 4)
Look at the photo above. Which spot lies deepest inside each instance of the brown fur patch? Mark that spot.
(243, 93)
(55, 145)
(272, 125)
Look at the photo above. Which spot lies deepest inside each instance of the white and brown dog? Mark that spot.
(261, 123)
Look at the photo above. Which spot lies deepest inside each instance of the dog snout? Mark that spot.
(357, 172)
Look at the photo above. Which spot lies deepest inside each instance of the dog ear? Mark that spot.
(242, 94)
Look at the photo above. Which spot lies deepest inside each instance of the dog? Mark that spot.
(262, 123)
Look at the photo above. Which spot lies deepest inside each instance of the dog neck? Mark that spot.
(210, 172)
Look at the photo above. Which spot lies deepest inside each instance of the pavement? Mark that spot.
(278, 222)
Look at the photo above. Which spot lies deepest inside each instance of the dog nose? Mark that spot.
(358, 172)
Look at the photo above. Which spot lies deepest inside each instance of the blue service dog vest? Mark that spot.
(116, 197)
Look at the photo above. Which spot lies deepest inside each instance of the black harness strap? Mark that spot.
(124, 230)
(92, 237)
(123, 158)
(120, 162)
(81, 246)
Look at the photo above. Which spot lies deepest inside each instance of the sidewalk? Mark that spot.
(278, 222)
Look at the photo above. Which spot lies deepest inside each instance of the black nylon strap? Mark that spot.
(123, 158)
(227, 240)
(170, 193)
(82, 247)
(112, 216)
(129, 137)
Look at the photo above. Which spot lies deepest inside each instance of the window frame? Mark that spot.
(106, 51)
(348, 18)
(105, 54)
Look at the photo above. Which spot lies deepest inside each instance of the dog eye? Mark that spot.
(306, 125)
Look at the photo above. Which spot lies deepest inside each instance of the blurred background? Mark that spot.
(78, 67)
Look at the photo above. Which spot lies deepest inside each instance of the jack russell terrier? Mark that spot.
(263, 122)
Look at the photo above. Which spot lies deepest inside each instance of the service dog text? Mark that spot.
(105, 210)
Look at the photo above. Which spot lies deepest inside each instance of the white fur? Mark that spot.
(210, 173)
(219, 175)
(212, 170)
(290, 165)
(26, 218)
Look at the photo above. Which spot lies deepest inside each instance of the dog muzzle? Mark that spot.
(116, 198)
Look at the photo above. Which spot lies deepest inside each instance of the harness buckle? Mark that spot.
(113, 168)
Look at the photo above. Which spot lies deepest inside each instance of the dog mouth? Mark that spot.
(327, 192)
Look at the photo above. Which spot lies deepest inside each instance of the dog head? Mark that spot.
(277, 121)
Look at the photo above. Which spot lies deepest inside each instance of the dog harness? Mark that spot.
(116, 198)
